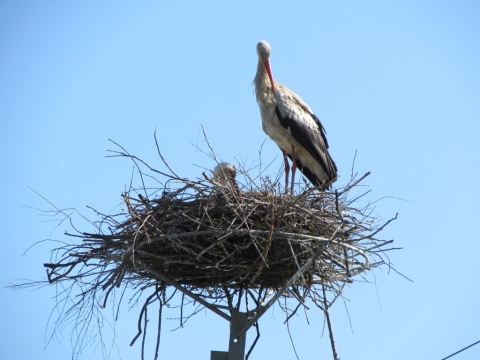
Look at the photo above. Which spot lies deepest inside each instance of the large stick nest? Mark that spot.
(222, 244)
(220, 237)
(207, 234)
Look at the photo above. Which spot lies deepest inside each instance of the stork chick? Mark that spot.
(224, 172)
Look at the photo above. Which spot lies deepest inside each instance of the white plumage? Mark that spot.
(224, 172)
(290, 122)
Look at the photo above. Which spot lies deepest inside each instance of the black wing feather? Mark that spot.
(318, 148)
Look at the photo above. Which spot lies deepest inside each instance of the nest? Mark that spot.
(206, 235)
(224, 244)
(221, 237)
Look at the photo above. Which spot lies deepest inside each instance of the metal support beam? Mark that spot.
(239, 322)
(176, 285)
(236, 346)
(218, 355)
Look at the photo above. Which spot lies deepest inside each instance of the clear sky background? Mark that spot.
(398, 82)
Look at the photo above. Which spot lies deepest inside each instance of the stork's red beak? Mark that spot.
(234, 183)
(267, 67)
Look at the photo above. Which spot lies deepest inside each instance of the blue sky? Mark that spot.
(398, 82)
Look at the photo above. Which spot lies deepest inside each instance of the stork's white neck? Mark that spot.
(261, 78)
(263, 87)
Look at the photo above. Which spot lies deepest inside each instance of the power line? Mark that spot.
(459, 351)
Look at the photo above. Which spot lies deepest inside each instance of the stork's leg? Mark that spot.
(287, 169)
(294, 166)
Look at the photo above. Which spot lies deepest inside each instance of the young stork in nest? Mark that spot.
(224, 172)
(290, 122)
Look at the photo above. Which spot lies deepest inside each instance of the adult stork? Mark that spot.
(290, 122)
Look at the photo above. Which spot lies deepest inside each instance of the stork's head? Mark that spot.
(225, 171)
(263, 51)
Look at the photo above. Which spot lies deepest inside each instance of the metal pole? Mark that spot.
(236, 346)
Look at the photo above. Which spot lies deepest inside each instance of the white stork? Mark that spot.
(288, 121)
(224, 172)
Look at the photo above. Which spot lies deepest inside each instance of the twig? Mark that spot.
(329, 323)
